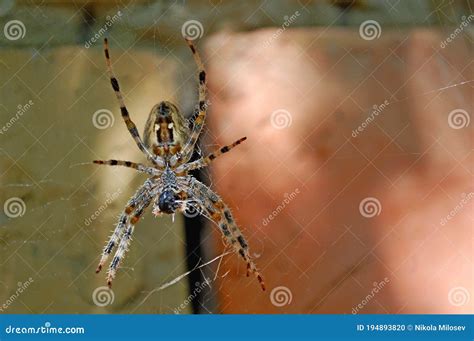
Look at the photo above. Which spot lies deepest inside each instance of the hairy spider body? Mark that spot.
(168, 144)
(165, 130)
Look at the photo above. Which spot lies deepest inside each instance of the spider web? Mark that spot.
(42, 154)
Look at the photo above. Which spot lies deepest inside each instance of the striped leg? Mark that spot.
(125, 241)
(132, 128)
(138, 166)
(203, 162)
(200, 118)
(219, 212)
(135, 201)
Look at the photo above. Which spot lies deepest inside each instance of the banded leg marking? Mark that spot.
(203, 162)
(132, 128)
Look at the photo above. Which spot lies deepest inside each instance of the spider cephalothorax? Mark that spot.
(167, 202)
(170, 197)
(168, 144)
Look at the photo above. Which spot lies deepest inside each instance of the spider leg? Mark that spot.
(138, 166)
(200, 118)
(203, 162)
(132, 128)
(125, 240)
(213, 207)
(135, 201)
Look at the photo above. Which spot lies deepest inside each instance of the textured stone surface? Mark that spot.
(409, 158)
(160, 22)
(52, 242)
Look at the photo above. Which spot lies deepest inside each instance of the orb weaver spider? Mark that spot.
(169, 144)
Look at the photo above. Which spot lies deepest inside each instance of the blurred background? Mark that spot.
(354, 188)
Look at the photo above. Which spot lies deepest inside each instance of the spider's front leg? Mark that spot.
(134, 204)
(126, 238)
(212, 206)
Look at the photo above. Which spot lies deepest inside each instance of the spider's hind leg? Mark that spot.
(198, 121)
(132, 128)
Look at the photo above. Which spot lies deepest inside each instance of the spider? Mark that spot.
(168, 144)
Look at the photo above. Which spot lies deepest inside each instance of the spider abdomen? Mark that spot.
(165, 130)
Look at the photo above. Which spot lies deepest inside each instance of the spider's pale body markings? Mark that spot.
(168, 144)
